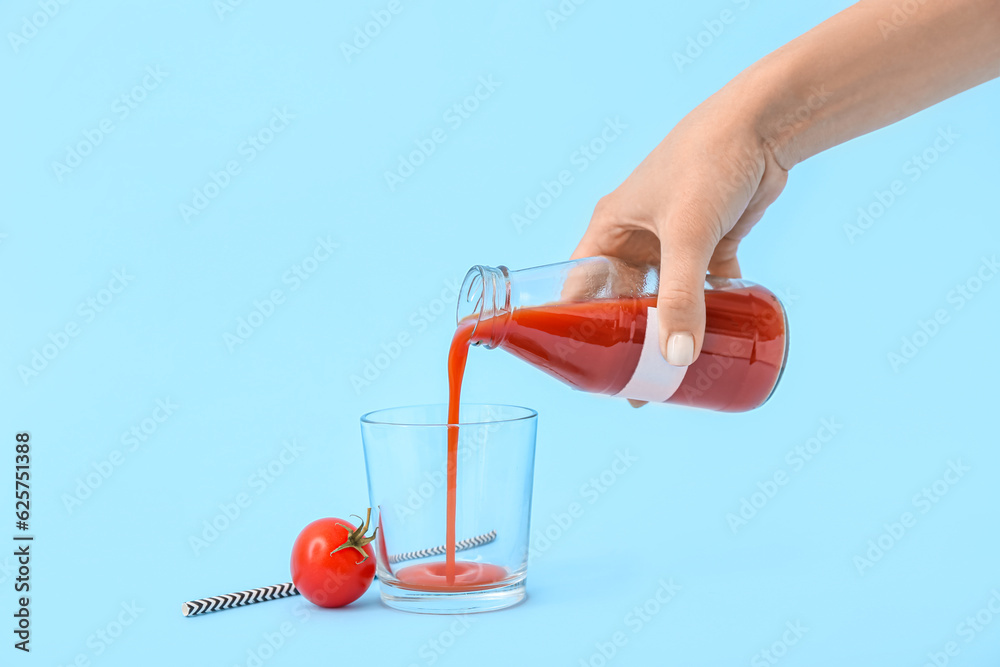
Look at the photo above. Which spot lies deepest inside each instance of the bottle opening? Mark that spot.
(470, 296)
(484, 295)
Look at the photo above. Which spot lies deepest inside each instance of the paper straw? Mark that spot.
(278, 591)
(220, 602)
(471, 543)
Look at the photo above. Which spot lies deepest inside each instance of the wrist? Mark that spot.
(782, 107)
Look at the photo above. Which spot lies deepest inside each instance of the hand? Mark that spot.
(698, 194)
(686, 208)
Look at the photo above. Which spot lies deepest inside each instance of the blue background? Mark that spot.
(665, 518)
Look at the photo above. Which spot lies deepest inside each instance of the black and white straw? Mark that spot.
(220, 602)
(278, 591)
(471, 543)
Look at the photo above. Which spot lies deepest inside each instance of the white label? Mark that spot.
(654, 379)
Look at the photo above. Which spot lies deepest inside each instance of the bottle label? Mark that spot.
(653, 380)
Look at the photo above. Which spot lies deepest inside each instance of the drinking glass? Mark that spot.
(492, 465)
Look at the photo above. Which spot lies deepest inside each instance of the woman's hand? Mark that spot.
(686, 208)
(694, 198)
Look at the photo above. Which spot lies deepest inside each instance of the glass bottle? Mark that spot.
(592, 324)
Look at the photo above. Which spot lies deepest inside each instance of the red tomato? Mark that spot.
(333, 563)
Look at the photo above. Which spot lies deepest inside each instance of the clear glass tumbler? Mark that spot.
(488, 503)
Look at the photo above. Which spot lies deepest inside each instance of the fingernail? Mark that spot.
(680, 349)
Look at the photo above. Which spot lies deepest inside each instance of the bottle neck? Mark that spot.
(484, 302)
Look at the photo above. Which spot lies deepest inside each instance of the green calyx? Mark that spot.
(356, 538)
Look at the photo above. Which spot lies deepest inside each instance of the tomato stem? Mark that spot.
(356, 537)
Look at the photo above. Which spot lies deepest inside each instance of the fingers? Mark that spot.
(687, 246)
(724, 263)
(589, 245)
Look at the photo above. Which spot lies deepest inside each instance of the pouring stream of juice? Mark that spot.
(458, 354)
(452, 575)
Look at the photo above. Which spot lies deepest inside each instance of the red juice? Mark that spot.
(465, 576)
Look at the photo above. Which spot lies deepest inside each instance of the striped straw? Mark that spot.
(278, 591)
(220, 602)
(471, 543)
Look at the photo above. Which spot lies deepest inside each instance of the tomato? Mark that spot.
(333, 563)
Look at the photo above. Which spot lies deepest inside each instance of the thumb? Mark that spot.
(685, 252)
